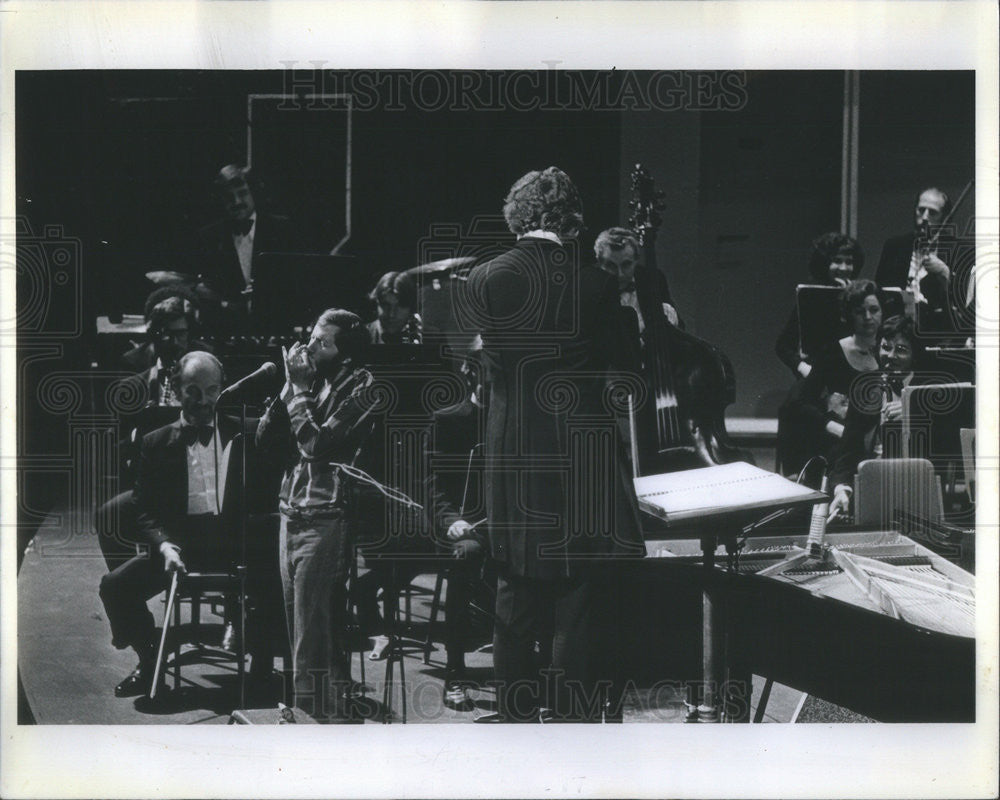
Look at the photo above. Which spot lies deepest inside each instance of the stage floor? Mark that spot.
(69, 668)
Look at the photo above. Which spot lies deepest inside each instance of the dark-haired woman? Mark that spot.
(811, 420)
(874, 415)
(836, 259)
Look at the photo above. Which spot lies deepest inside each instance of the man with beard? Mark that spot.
(322, 420)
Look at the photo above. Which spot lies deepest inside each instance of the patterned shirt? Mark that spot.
(329, 425)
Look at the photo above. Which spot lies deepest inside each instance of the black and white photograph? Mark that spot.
(439, 370)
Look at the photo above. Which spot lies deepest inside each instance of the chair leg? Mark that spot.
(196, 615)
(361, 660)
(387, 691)
(402, 683)
(435, 605)
(177, 644)
(241, 645)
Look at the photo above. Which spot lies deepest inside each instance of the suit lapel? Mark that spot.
(175, 453)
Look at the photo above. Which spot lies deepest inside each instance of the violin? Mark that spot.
(681, 424)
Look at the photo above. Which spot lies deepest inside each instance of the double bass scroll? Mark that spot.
(682, 425)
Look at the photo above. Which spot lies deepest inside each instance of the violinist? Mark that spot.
(918, 261)
(874, 417)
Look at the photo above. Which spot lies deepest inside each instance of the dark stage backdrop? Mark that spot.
(124, 161)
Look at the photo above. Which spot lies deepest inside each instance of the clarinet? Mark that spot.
(879, 447)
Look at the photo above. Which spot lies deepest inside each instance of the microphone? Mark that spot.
(265, 371)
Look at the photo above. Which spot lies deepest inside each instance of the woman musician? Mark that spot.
(874, 416)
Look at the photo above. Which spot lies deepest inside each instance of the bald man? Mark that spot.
(186, 493)
(923, 261)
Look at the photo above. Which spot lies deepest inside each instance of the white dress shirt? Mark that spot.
(207, 466)
(243, 243)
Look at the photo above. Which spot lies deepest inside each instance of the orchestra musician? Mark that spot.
(170, 330)
(545, 319)
(454, 502)
(187, 499)
(917, 261)
(171, 316)
(874, 415)
(319, 423)
(835, 260)
(812, 418)
(230, 247)
(395, 296)
(618, 251)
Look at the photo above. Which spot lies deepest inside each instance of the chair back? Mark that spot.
(883, 487)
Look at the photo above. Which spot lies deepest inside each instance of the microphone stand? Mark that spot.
(241, 568)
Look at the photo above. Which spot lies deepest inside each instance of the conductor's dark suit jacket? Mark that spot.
(558, 490)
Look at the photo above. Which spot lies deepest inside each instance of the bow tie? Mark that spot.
(241, 226)
(628, 287)
(200, 433)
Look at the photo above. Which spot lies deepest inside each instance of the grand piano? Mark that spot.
(880, 625)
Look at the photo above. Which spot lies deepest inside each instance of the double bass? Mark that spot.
(681, 423)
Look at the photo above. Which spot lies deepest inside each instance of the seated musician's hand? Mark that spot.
(935, 266)
(172, 558)
(836, 404)
(459, 529)
(670, 313)
(804, 368)
(893, 410)
(840, 506)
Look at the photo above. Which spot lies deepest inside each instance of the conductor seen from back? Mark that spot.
(558, 496)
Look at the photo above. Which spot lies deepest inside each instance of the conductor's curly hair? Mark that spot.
(545, 200)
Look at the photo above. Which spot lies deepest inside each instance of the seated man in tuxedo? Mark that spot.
(186, 500)
(230, 247)
(925, 262)
(171, 317)
(617, 251)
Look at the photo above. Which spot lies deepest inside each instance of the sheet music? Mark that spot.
(718, 490)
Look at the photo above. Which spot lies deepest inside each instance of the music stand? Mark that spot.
(721, 503)
(820, 325)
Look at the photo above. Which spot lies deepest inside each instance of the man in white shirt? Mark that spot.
(229, 248)
(923, 261)
(185, 497)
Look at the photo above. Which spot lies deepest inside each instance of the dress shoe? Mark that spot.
(455, 695)
(138, 683)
